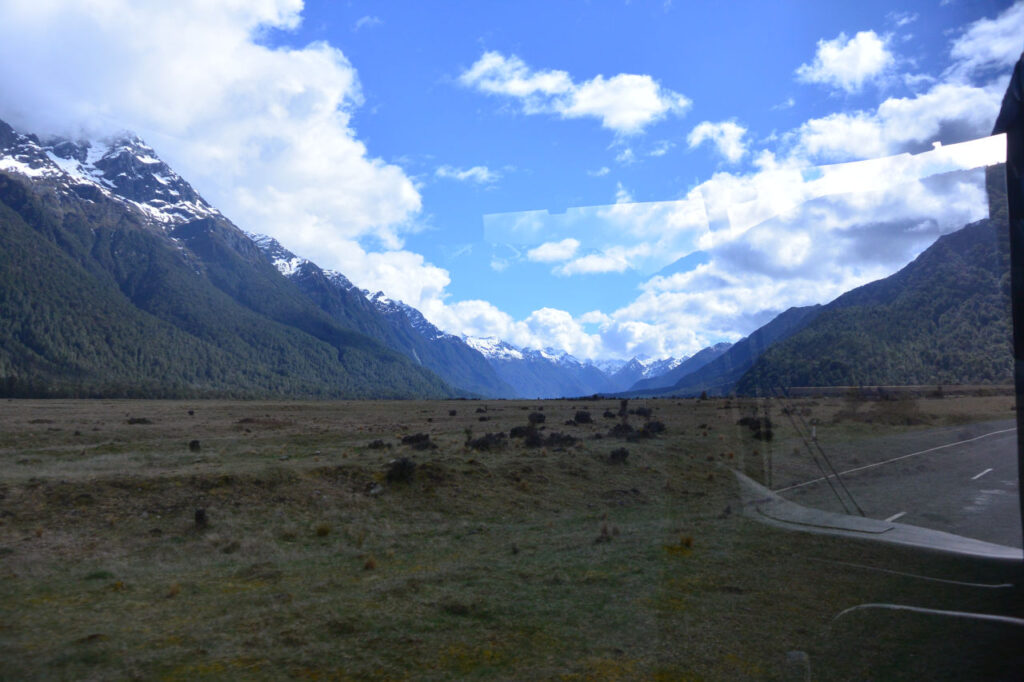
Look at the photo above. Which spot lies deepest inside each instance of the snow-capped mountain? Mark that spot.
(681, 368)
(541, 373)
(137, 287)
(639, 368)
(395, 324)
(124, 170)
(550, 373)
(121, 168)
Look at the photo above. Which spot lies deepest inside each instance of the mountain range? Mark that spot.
(118, 279)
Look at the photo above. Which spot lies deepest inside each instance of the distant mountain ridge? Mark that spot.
(719, 376)
(688, 366)
(541, 373)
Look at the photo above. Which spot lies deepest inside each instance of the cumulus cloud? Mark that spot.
(600, 172)
(625, 103)
(552, 252)
(848, 63)
(727, 137)
(263, 133)
(481, 175)
(960, 110)
(989, 44)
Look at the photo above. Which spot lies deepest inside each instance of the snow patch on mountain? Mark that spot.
(122, 168)
(493, 348)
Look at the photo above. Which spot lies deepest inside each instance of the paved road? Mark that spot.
(968, 488)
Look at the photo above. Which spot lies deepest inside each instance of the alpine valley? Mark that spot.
(117, 279)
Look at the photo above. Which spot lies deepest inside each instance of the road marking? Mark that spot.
(894, 459)
(895, 516)
(976, 477)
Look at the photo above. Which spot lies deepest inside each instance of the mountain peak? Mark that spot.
(122, 167)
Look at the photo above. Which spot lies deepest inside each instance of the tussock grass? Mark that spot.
(511, 562)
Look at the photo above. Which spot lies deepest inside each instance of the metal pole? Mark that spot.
(1011, 122)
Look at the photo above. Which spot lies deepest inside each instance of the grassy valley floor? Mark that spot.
(333, 550)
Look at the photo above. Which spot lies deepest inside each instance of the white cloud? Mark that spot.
(901, 123)
(367, 22)
(263, 133)
(848, 63)
(482, 175)
(626, 157)
(600, 172)
(901, 19)
(660, 149)
(612, 259)
(625, 103)
(727, 137)
(552, 252)
(989, 44)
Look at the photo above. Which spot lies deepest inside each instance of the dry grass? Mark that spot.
(515, 562)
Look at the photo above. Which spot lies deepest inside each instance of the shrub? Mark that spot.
(490, 441)
(378, 445)
(608, 414)
(537, 418)
(653, 427)
(452, 413)
(522, 431)
(618, 456)
(644, 412)
(533, 439)
(419, 441)
(401, 470)
(583, 417)
(621, 430)
(194, 446)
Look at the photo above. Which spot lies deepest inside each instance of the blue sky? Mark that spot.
(400, 142)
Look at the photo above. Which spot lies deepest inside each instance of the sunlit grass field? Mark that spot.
(332, 550)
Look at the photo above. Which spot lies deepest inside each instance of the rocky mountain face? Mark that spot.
(398, 326)
(118, 279)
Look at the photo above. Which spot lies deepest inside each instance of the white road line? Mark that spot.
(895, 516)
(894, 459)
(975, 478)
